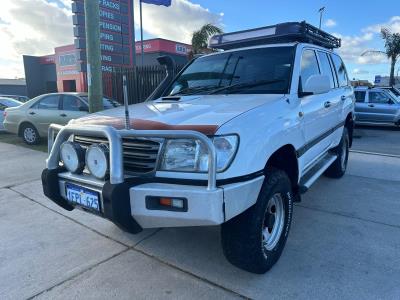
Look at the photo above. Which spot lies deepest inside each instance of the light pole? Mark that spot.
(321, 12)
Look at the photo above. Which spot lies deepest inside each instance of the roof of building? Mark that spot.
(6, 81)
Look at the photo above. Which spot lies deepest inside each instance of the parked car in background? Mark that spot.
(394, 90)
(6, 103)
(17, 97)
(32, 119)
(376, 106)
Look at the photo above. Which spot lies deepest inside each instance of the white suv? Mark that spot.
(233, 140)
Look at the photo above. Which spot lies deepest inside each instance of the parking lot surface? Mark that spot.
(344, 241)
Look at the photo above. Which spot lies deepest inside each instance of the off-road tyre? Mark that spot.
(243, 236)
(339, 166)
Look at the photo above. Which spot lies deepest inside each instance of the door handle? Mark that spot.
(63, 115)
(327, 104)
(32, 113)
(371, 105)
(343, 98)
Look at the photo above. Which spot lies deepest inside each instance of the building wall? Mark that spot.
(40, 77)
(68, 74)
(11, 89)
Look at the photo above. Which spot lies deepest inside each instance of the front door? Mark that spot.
(45, 112)
(318, 113)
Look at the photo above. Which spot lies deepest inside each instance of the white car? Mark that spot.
(233, 140)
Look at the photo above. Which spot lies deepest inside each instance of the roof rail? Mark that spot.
(279, 33)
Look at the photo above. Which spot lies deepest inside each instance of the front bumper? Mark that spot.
(125, 203)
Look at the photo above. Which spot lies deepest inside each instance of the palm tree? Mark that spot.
(200, 38)
(392, 50)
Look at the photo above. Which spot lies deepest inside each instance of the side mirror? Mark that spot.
(317, 84)
(83, 108)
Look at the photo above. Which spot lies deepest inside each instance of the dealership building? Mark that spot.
(63, 71)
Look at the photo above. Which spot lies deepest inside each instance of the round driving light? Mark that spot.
(97, 160)
(73, 157)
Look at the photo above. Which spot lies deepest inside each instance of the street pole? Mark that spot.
(321, 11)
(93, 55)
(133, 35)
(141, 32)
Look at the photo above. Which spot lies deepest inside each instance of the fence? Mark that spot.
(141, 82)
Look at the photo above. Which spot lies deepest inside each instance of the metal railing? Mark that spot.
(115, 136)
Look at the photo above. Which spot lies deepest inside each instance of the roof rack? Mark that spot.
(279, 33)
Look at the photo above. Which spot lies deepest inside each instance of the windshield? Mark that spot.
(253, 71)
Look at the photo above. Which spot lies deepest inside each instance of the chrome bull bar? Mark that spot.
(115, 136)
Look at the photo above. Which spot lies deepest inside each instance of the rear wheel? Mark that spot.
(255, 239)
(338, 168)
(30, 134)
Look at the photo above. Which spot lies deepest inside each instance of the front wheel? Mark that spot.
(339, 166)
(255, 239)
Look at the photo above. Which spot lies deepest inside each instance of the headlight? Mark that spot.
(97, 160)
(73, 157)
(186, 155)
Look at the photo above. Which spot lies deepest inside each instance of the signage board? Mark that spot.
(115, 32)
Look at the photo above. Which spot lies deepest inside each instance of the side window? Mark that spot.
(340, 71)
(309, 66)
(72, 103)
(326, 67)
(360, 96)
(378, 97)
(50, 102)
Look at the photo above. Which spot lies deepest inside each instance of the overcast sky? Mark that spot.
(35, 27)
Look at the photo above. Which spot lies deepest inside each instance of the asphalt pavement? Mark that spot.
(344, 241)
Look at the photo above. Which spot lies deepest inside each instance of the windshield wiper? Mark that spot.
(244, 85)
(192, 90)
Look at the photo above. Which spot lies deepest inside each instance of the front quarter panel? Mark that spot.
(262, 131)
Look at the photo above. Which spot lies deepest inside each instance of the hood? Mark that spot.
(200, 113)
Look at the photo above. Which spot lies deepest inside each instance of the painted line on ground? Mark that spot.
(375, 153)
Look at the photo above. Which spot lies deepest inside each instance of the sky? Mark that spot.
(35, 27)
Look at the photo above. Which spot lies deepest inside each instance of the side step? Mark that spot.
(316, 171)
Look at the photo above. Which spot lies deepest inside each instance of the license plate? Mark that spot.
(83, 197)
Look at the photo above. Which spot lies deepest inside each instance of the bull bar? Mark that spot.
(58, 134)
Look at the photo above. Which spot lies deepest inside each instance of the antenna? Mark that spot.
(125, 88)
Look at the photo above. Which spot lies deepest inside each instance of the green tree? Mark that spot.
(392, 50)
(200, 38)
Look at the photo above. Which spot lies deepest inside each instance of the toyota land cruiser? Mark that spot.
(233, 140)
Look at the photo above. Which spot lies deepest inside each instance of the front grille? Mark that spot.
(140, 155)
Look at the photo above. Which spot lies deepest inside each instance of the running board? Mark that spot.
(316, 171)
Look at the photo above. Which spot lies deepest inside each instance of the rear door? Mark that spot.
(45, 112)
(72, 108)
(381, 107)
(361, 107)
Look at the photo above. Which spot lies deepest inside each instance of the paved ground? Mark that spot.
(344, 242)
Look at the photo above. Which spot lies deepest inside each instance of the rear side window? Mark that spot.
(50, 102)
(326, 67)
(72, 103)
(340, 71)
(360, 96)
(309, 66)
